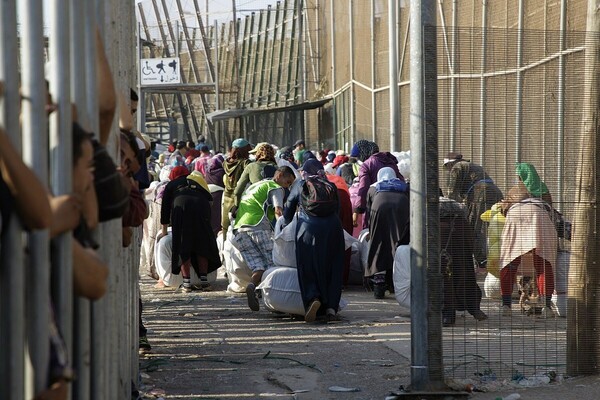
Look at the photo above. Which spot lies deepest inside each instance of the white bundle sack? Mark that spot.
(281, 290)
(284, 244)
(402, 275)
(162, 255)
(561, 276)
(363, 237)
(491, 287)
(238, 273)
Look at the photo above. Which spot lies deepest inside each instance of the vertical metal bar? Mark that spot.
(281, 47)
(217, 88)
(61, 160)
(111, 243)
(236, 61)
(247, 55)
(194, 68)
(453, 71)
(332, 33)
(261, 85)
(519, 94)
(482, 84)
(425, 277)
(258, 61)
(35, 154)
(204, 40)
(271, 73)
(393, 73)
(561, 106)
(301, 72)
(373, 72)
(81, 320)
(98, 356)
(352, 88)
(294, 42)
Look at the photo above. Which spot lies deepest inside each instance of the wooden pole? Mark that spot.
(582, 335)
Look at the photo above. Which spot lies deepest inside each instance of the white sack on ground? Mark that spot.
(491, 287)
(162, 255)
(238, 273)
(561, 280)
(281, 290)
(402, 275)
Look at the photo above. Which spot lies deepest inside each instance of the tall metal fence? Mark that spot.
(250, 65)
(100, 336)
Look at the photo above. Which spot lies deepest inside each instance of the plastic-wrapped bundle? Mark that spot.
(281, 291)
(162, 255)
(402, 275)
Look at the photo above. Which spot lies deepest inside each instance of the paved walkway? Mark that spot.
(209, 345)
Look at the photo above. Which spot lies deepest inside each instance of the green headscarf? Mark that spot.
(531, 179)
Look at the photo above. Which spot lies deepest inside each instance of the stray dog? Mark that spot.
(528, 296)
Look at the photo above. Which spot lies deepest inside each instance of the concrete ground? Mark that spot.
(209, 345)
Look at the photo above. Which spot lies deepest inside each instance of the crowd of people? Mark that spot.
(328, 194)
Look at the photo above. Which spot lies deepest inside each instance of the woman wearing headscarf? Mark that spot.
(233, 166)
(262, 168)
(469, 184)
(388, 216)
(372, 161)
(319, 248)
(345, 214)
(214, 178)
(186, 207)
(461, 292)
(529, 232)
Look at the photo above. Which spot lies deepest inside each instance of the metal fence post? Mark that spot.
(426, 343)
(482, 83)
(12, 275)
(561, 105)
(60, 161)
(519, 105)
(393, 73)
(35, 154)
(81, 317)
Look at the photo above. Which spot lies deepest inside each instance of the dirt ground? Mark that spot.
(209, 345)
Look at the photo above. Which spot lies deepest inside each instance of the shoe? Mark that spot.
(202, 286)
(311, 313)
(185, 289)
(331, 316)
(379, 290)
(479, 315)
(506, 311)
(144, 345)
(252, 298)
(547, 312)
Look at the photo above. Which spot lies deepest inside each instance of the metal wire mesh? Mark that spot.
(505, 113)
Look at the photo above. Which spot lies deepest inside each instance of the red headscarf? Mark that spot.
(339, 160)
(178, 172)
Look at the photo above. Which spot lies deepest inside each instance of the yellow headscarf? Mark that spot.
(197, 177)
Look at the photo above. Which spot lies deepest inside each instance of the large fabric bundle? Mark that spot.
(284, 244)
(281, 290)
(561, 274)
(162, 255)
(238, 273)
(402, 275)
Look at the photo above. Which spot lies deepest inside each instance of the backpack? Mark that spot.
(319, 197)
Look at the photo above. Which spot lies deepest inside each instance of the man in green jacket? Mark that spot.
(261, 204)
